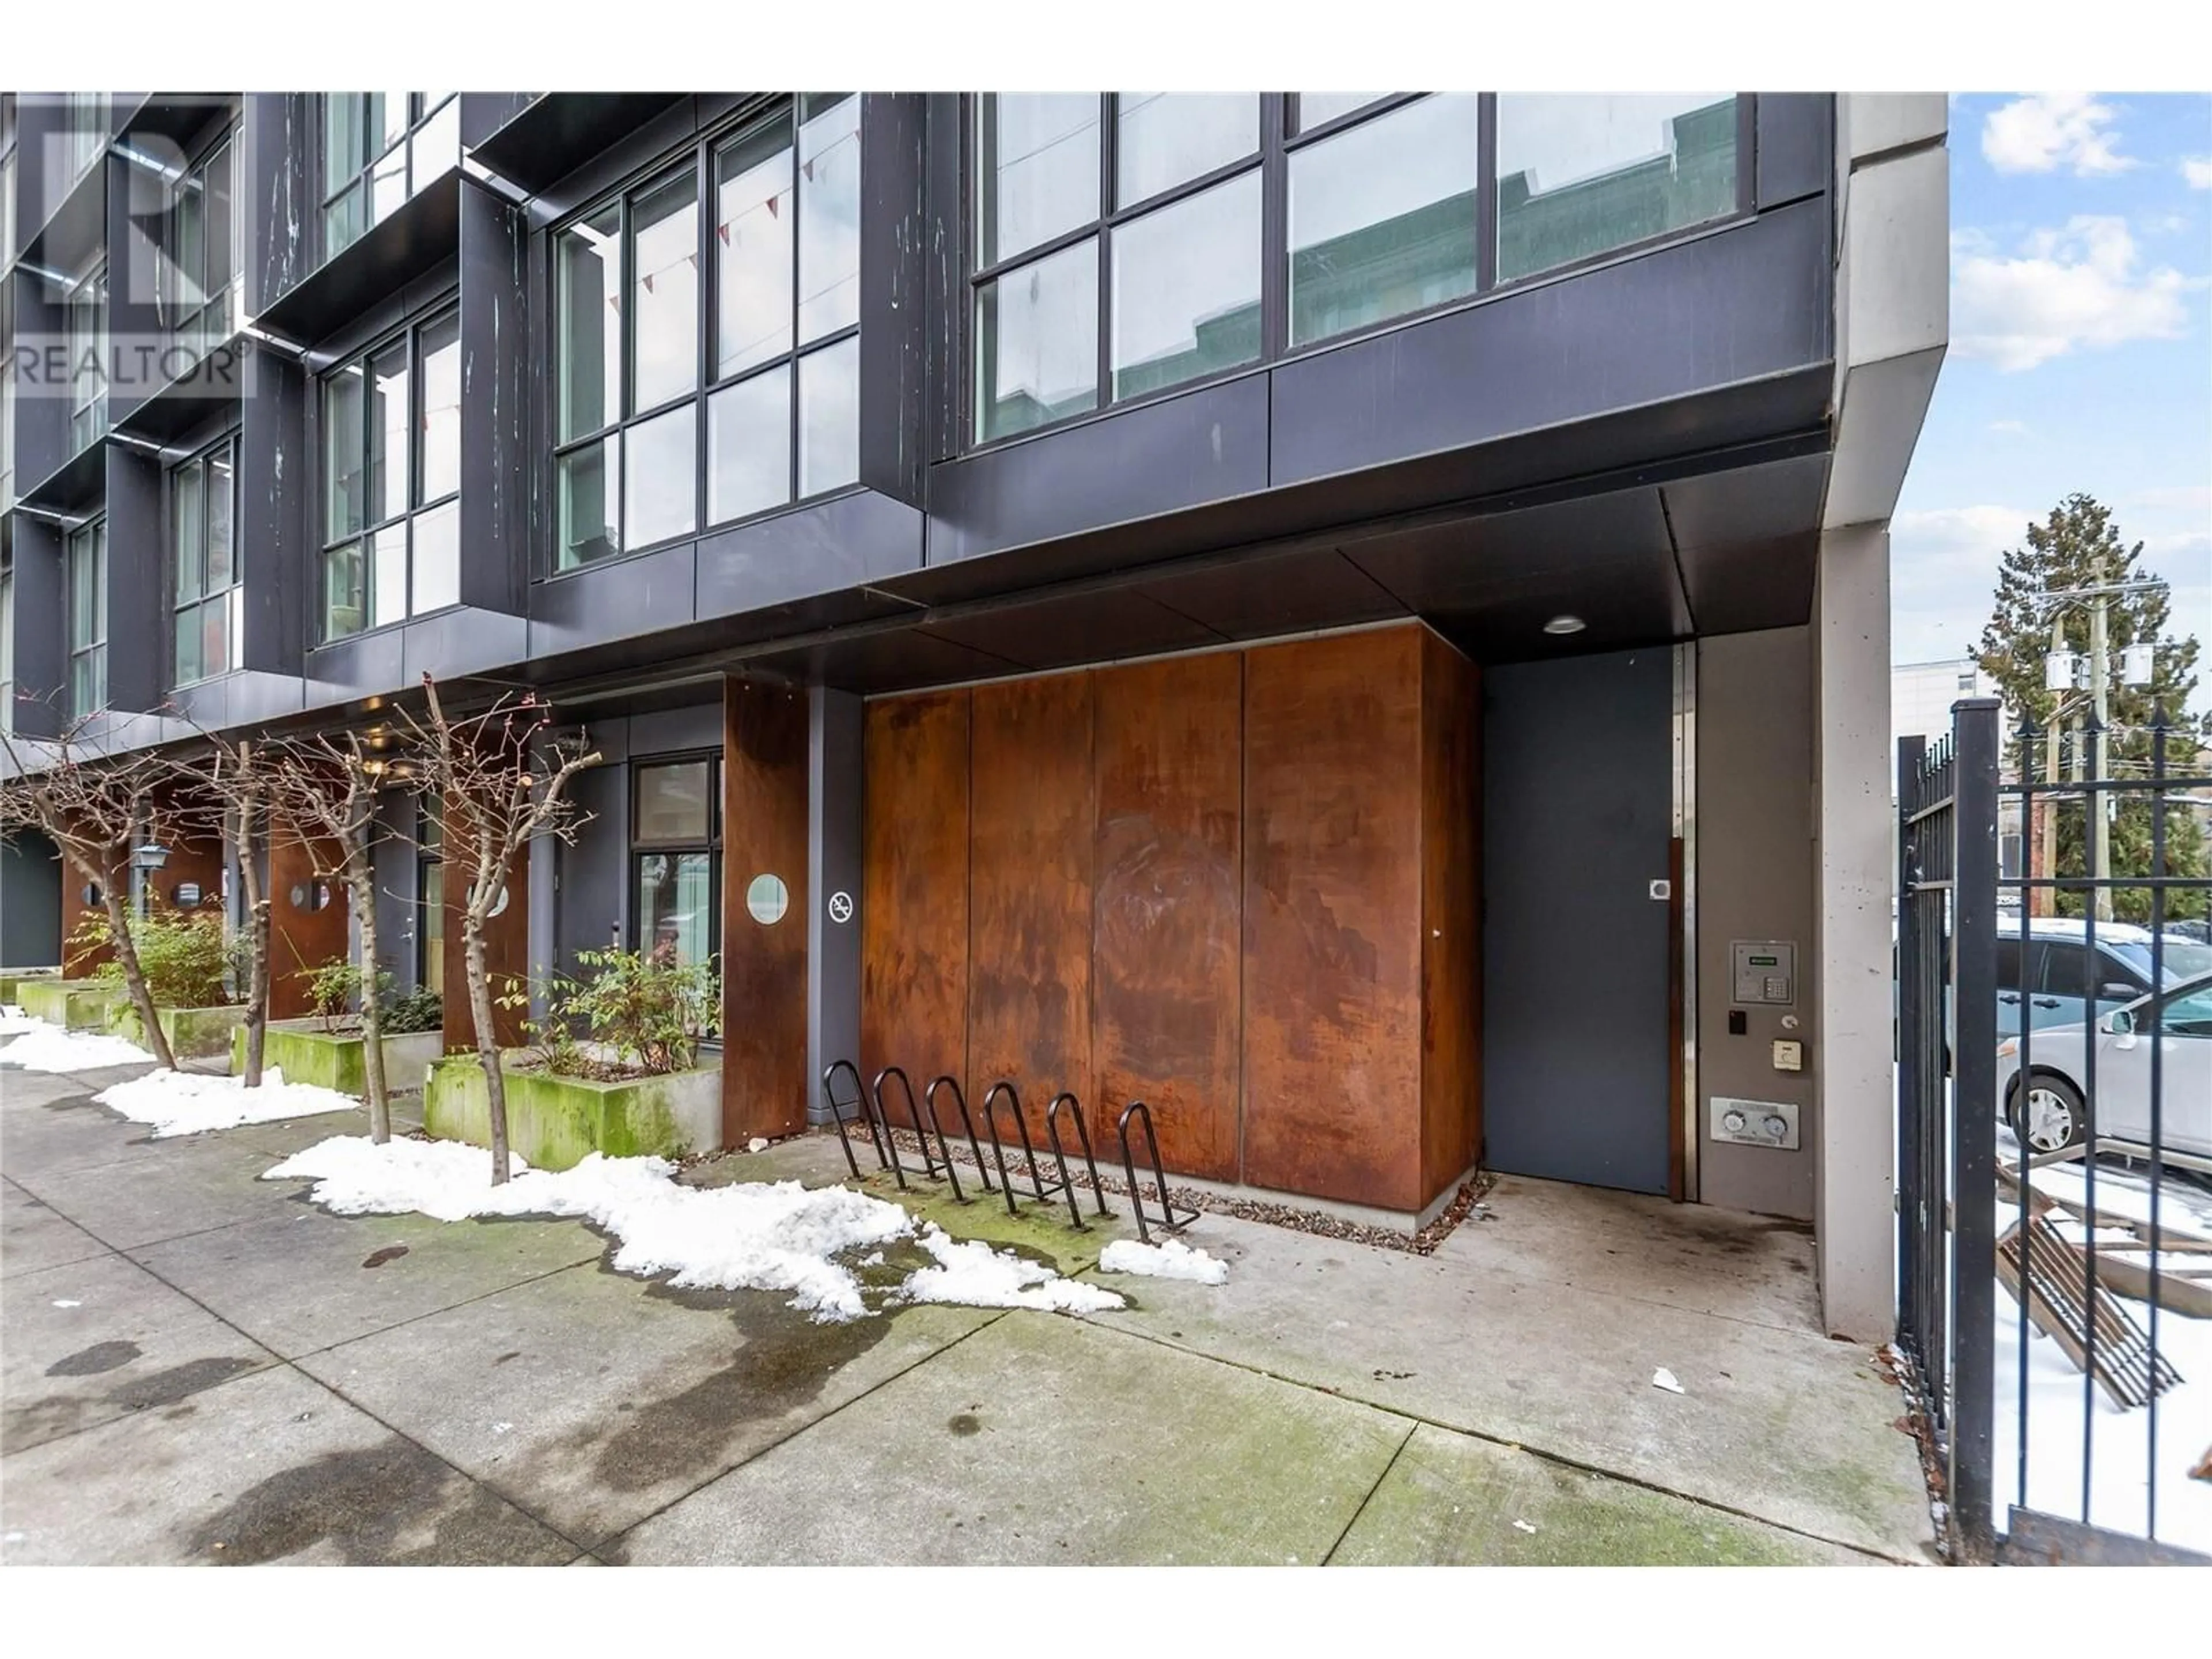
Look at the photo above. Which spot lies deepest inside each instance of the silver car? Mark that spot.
(2050, 1114)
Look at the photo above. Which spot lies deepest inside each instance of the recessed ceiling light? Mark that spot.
(1565, 625)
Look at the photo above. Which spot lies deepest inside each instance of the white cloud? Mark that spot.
(2197, 171)
(1943, 576)
(2017, 428)
(2044, 131)
(2065, 290)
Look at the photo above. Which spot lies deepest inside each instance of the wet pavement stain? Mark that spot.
(92, 1361)
(374, 1505)
(963, 1423)
(167, 1388)
(389, 1252)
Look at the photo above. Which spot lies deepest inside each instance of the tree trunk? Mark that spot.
(360, 883)
(257, 940)
(134, 977)
(480, 1016)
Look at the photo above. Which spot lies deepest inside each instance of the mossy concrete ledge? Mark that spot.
(193, 1033)
(305, 1053)
(13, 980)
(553, 1122)
(80, 1004)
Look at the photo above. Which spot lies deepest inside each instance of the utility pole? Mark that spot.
(2100, 824)
(2044, 900)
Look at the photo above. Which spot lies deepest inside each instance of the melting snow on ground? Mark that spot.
(1171, 1260)
(763, 1236)
(14, 1022)
(2118, 1487)
(975, 1275)
(187, 1102)
(44, 1048)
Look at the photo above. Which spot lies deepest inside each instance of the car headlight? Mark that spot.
(2007, 1048)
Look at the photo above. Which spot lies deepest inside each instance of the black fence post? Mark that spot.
(1911, 1178)
(1976, 741)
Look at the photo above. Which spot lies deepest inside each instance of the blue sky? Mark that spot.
(2080, 353)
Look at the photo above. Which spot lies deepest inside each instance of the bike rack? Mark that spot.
(966, 1127)
(921, 1130)
(1168, 1221)
(998, 1146)
(1083, 1136)
(860, 1103)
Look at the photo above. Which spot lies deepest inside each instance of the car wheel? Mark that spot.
(2047, 1116)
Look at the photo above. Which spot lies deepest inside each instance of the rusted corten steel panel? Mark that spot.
(914, 947)
(1332, 917)
(507, 945)
(1031, 833)
(1167, 971)
(1451, 934)
(302, 938)
(764, 800)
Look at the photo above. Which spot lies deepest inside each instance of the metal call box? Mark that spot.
(1764, 971)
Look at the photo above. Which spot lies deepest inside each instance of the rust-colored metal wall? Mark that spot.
(1332, 917)
(1241, 886)
(1030, 842)
(914, 943)
(1167, 947)
(764, 803)
(301, 939)
(1451, 899)
(506, 948)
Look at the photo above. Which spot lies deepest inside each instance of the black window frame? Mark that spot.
(92, 532)
(1280, 138)
(640, 849)
(189, 319)
(232, 594)
(424, 108)
(85, 309)
(698, 156)
(417, 508)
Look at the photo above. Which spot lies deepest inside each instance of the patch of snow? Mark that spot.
(1522, 1526)
(975, 1275)
(756, 1145)
(14, 1022)
(188, 1102)
(49, 1049)
(1663, 1378)
(874, 1259)
(502, 1428)
(1172, 1259)
(2119, 1458)
(66, 1302)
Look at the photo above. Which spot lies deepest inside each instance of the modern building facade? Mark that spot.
(1359, 619)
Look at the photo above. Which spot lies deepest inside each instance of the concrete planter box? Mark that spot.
(193, 1033)
(553, 1122)
(307, 1054)
(12, 981)
(79, 1005)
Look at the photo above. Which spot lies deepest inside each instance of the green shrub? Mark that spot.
(650, 1009)
(418, 1009)
(186, 959)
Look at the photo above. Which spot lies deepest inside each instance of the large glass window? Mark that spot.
(1161, 261)
(1126, 243)
(87, 617)
(392, 460)
(7, 648)
(203, 276)
(202, 518)
(761, 315)
(87, 331)
(429, 896)
(676, 844)
(85, 117)
(378, 148)
(1580, 175)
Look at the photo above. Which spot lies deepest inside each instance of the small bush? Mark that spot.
(185, 958)
(418, 1009)
(333, 989)
(650, 1009)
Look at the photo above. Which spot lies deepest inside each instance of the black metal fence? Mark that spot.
(2054, 1144)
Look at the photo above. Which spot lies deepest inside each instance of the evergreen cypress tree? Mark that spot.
(2079, 546)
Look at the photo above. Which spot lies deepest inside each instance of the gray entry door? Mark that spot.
(1576, 823)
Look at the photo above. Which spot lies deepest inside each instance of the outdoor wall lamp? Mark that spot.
(1565, 625)
(152, 856)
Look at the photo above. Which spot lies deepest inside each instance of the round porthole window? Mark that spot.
(311, 896)
(93, 897)
(767, 899)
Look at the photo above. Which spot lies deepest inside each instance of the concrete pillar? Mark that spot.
(833, 860)
(1853, 1178)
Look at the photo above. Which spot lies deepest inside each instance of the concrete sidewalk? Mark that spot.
(198, 1366)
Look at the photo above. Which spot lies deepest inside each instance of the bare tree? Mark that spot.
(96, 808)
(232, 788)
(502, 782)
(326, 786)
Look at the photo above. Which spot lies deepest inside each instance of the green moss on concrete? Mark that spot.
(193, 1033)
(1041, 1232)
(81, 1005)
(13, 980)
(554, 1122)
